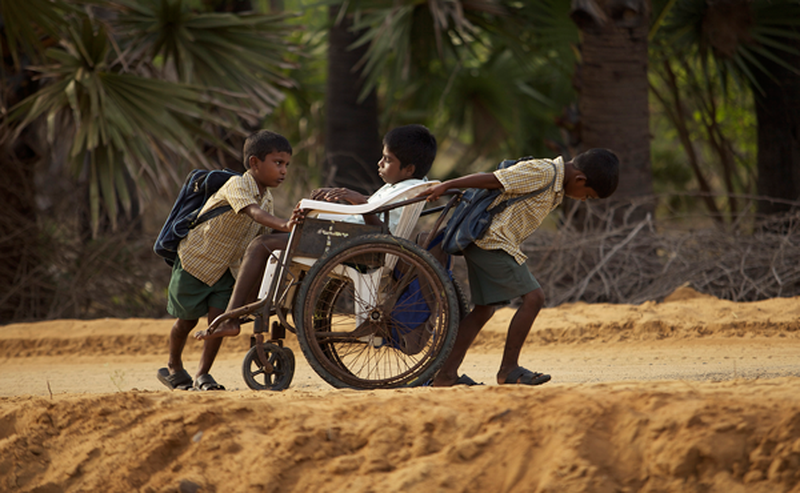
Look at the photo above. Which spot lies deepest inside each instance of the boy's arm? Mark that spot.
(264, 218)
(475, 180)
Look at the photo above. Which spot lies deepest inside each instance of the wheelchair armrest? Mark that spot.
(319, 206)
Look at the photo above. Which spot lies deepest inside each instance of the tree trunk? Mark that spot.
(778, 116)
(613, 90)
(352, 139)
(25, 289)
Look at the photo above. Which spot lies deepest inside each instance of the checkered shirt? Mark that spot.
(512, 226)
(218, 244)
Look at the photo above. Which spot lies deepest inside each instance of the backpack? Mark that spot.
(472, 217)
(198, 187)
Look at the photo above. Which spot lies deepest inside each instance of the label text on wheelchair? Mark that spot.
(332, 233)
(328, 233)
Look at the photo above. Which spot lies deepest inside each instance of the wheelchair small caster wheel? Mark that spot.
(257, 377)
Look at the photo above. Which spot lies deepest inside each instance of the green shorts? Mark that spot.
(495, 278)
(189, 298)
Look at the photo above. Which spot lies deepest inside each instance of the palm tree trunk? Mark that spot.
(352, 140)
(24, 283)
(613, 89)
(778, 115)
(25, 287)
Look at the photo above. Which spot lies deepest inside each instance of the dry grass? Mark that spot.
(60, 276)
(640, 261)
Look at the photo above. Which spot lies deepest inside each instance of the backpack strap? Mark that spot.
(212, 182)
(209, 215)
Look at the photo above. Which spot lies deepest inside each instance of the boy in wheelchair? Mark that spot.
(408, 153)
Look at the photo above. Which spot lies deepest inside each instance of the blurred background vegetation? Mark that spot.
(106, 105)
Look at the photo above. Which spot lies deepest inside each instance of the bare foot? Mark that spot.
(228, 328)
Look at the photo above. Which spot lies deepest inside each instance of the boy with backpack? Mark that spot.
(202, 275)
(495, 263)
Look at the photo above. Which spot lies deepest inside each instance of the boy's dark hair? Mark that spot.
(412, 144)
(601, 168)
(264, 142)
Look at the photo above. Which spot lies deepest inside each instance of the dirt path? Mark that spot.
(704, 360)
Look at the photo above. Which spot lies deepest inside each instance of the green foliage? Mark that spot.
(492, 76)
(300, 116)
(704, 61)
(141, 85)
(25, 22)
(737, 36)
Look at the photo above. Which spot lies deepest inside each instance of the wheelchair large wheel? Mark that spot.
(282, 361)
(376, 312)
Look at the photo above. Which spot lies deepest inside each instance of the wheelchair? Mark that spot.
(370, 309)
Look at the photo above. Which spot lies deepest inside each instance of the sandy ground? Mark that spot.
(693, 394)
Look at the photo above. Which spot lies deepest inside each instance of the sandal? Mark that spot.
(520, 375)
(207, 382)
(465, 380)
(175, 381)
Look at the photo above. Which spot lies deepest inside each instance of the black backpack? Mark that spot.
(199, 185)
(472, 216)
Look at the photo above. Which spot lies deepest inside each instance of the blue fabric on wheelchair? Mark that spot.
(411, 309)
(409, 313)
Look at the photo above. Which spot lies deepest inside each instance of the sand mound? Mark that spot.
(694, 394)
(695, 316)
(612, 437)
(684, 293)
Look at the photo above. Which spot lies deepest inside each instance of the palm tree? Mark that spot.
(753, 44)
(135, 91)
(471, 70)
(748, 41)
(778, 113)
(352, 137)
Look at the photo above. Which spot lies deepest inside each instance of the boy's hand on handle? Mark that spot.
(476, 180)
(338, 195)
(298, 215)
(319, 193)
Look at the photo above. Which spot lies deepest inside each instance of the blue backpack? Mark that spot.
(472, 216)
(198, 187)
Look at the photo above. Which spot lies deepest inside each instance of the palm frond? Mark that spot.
(32, 25)
(143, 83)
(237, 53)
(112, 113)
(772, 25)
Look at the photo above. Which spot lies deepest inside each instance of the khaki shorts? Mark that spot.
(189, 298)
(495, 278)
